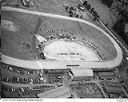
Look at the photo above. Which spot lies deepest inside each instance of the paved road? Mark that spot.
(40, 64)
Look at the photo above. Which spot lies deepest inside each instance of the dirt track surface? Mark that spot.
(82, 29)
(50, 26)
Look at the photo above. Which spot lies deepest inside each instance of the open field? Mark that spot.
(47, 53)
(112, 62)
(50, 26)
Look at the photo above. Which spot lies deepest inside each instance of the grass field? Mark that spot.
(19, 43)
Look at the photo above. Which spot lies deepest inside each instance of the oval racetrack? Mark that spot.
(41, 64)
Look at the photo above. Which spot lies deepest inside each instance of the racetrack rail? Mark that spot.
(41, 64)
